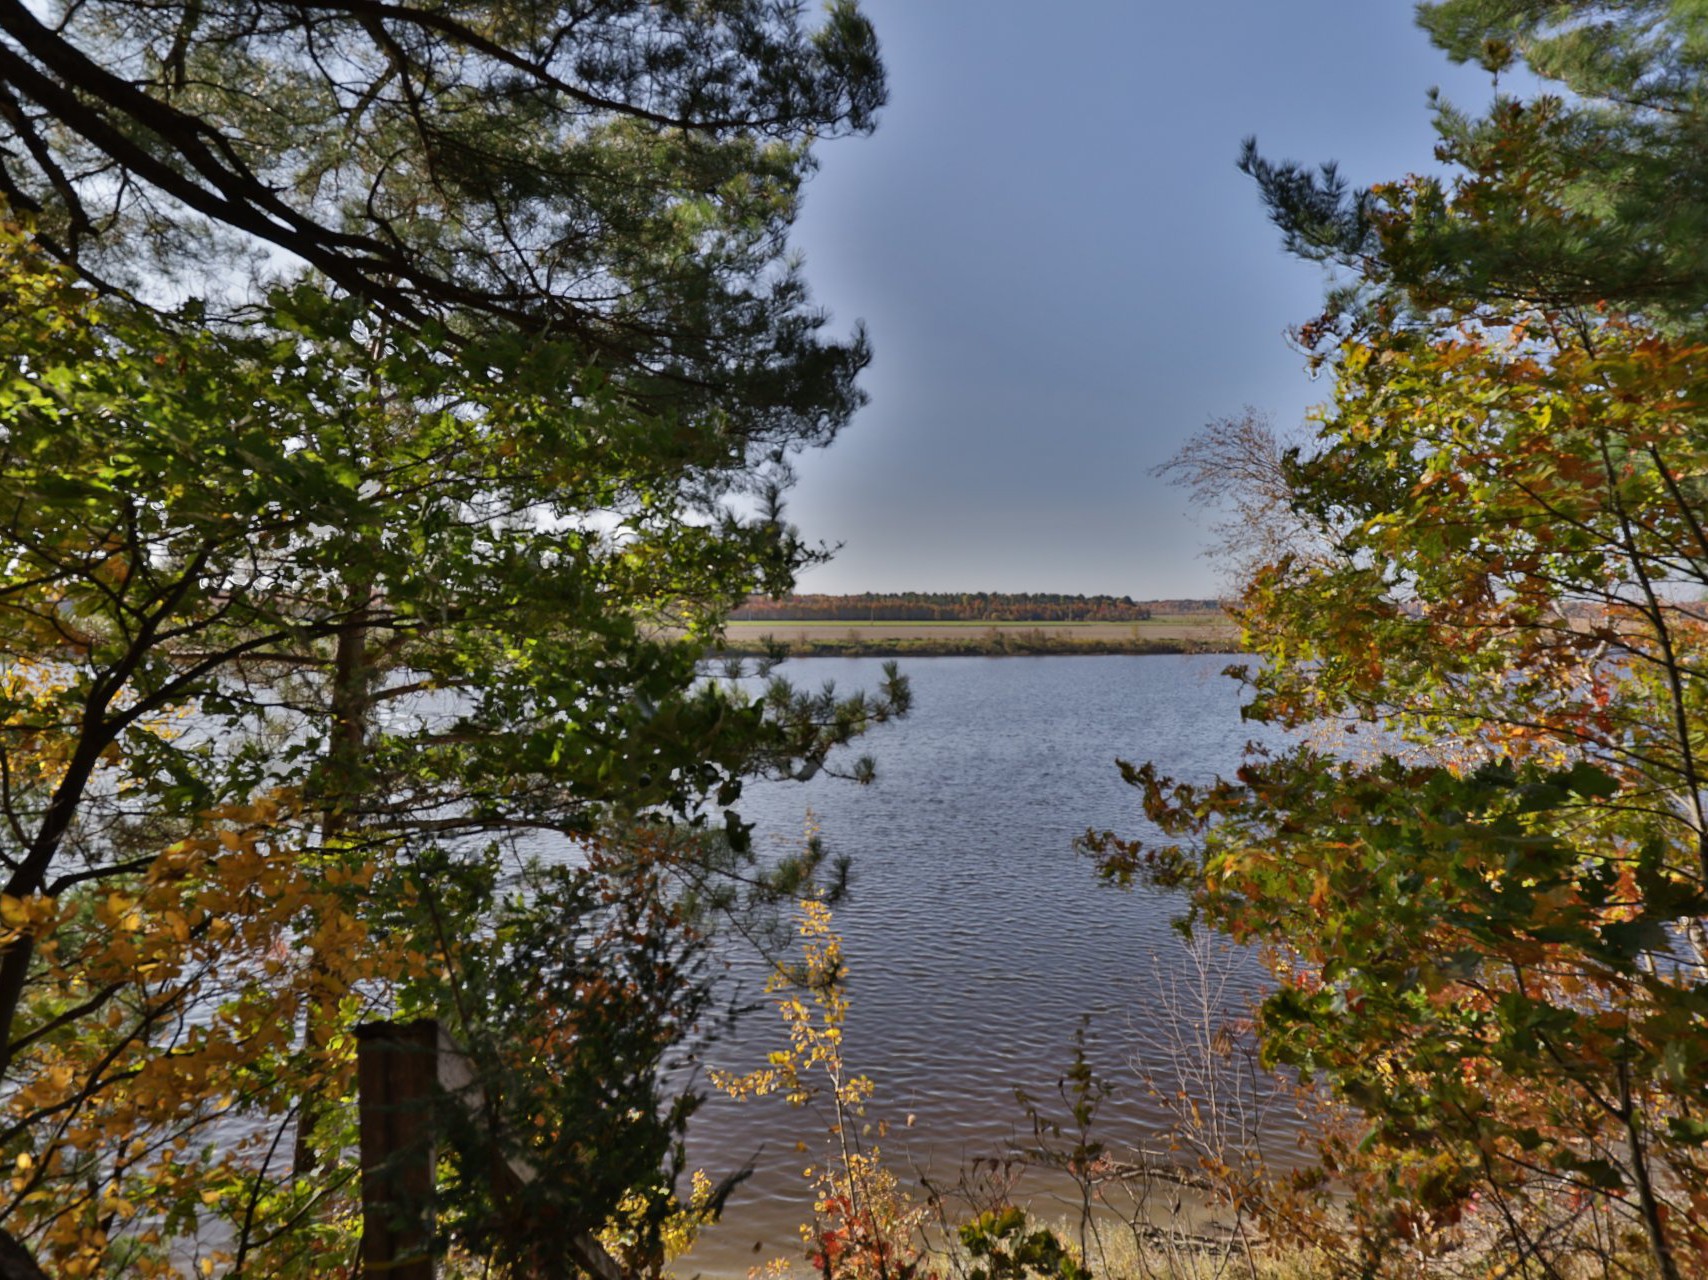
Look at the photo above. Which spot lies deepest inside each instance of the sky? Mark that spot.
(1064, 275)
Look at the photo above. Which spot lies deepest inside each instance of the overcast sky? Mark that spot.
(1064, 275)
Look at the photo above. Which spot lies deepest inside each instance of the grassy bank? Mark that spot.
(933, 640)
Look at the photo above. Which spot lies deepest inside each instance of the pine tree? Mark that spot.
(620, 175)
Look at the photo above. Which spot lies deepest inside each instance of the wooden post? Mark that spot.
(397, 1081)
(402, 1070)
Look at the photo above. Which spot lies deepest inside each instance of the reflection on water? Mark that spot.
(975, 939)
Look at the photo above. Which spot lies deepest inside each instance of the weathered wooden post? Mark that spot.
(397, 1081)
(403, 1071)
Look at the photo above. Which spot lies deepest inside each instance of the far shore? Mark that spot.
(1172, 634)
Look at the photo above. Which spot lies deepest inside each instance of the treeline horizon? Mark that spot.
(967, 606)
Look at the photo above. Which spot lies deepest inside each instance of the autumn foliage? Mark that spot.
(320, 702)
(1483, 869)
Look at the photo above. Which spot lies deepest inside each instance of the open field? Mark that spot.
(1178, 633)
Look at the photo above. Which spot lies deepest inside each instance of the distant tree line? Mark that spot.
(946, 606)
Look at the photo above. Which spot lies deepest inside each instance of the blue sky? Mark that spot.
(1064, 275)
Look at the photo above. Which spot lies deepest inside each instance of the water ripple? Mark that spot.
(976, 941)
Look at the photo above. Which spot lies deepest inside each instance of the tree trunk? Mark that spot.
(350, 706)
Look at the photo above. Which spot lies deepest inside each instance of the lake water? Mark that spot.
(975, 938)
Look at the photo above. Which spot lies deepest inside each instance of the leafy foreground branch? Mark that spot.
(1490, 920)
(347, 676)
(394, 398)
